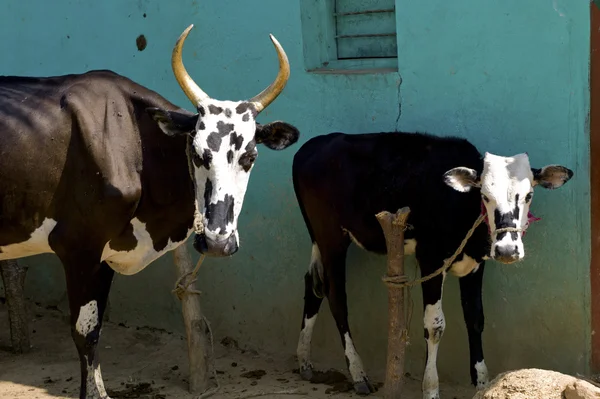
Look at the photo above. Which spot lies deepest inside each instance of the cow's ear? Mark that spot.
(462, 179)
(551, 176)
(276, 135)
(173, 122)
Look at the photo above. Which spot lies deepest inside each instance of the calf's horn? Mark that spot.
(189, 87)
(266, 97)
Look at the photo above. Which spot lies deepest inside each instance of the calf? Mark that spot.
(342, 181)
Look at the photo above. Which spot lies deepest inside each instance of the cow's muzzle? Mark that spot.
(209, 247)
(507, 253)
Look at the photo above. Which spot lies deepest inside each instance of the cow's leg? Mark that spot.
(313, 297)
(335, 267)
(434, 323)
(472, 305)
(88, 286)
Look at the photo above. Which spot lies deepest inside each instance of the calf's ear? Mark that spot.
(551, 176)
(462, 179)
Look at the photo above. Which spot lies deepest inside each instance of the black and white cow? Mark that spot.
(342, 181)
(109, 175)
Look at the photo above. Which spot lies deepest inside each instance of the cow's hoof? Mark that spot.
(364, 387)
(306, 372)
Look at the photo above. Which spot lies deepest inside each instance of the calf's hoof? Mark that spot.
(364, 387)
(306, 372)
(431, 395)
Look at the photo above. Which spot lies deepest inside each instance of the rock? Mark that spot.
(582, 390)
(537, 384)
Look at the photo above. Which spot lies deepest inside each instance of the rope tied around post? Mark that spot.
(183, 288)
(403, 281)
(394, 226)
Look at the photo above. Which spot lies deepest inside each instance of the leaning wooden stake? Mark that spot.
(393, 228)
(13, 275)
(195, 326)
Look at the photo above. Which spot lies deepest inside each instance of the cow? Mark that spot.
(342, 181)
(109, 175)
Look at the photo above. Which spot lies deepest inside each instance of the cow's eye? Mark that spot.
(528, 197)
(485, 198)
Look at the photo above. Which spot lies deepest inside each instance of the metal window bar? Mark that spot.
(365, 12)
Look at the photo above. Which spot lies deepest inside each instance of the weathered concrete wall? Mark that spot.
(511, 76)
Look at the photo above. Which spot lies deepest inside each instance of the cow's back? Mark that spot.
(346, 179)
(70, 152)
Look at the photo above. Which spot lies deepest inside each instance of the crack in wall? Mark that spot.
(399, 95)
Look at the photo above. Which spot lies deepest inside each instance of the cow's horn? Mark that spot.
(266, 97)
(189, 87)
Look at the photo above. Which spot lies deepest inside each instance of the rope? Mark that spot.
(507, 229)
(400, 282)
(216, 389)
(180, 288)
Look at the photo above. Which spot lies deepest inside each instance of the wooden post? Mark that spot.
(393, 228)
(13, 275)
(195, 326)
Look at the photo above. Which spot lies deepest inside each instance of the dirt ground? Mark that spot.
(150, 364)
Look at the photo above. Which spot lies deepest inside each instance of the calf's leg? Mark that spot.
(472, 305)
(313, 297)
(435, 324)
(335, 269)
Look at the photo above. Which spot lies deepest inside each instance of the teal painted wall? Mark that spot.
(511, 76)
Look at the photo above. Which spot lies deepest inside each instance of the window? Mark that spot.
(349, 35)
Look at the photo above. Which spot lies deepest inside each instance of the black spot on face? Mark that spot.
(246, 117)
(516, 210)
(213, 109)
(219, 215)
(250, 146)
(206, 159)
(504, 220)
(141, 42)
(229, 156)
(247, 159)
(208, 188)
(214, 139)
(201, 126)
(243, 107)
(228, 112)
(236, 141)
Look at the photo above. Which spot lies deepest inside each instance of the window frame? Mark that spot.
(318, 26)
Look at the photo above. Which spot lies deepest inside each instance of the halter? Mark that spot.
(198, 225)
(530, 219)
